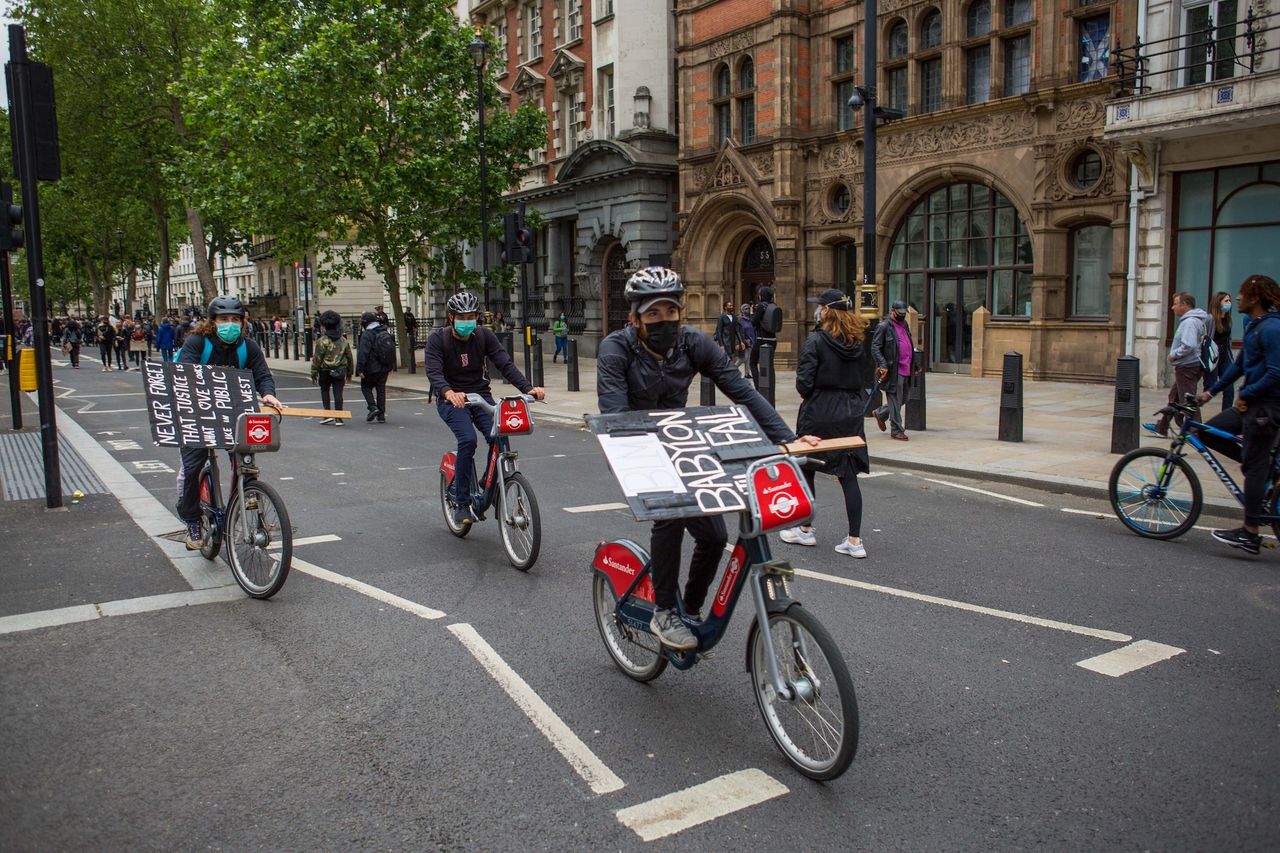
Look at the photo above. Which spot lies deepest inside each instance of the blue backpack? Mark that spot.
(242, 352)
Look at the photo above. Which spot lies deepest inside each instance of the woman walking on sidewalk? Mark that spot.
(333, 363)
(829, 379)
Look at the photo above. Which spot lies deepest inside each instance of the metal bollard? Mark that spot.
(1011, 398)
(537, 377)
(297, 350)
(708, 392)
(286, 345)
(572, 363)
(767, 377)
(914, 416)
(275, 345)
(413, 350)
(1125, 424)
(508, 341)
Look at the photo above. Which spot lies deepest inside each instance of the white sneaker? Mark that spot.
(324, 421)
(796, 536)
(846, 547)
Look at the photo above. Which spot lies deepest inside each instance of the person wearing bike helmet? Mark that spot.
(456, 363)
(225, 330)
(648, 366)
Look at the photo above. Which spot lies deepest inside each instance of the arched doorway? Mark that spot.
(962, 246)
(614, 279)
(757, 269)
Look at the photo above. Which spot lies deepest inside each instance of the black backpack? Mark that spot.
(771, 319)
(384, 349)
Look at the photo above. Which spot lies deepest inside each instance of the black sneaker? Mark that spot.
(672, 631)
(369, 417)
(1240, 538)
(195, 536)
(465, 515)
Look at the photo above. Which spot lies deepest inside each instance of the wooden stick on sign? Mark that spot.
(296, 412)
(799, 448)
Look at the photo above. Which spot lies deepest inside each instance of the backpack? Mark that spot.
(384, 349)
(242, 352)
(771, 319)
(138, 334)
(1208, 349)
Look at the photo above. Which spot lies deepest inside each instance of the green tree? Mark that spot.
(347, 127)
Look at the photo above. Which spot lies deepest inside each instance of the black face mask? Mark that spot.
(661, 337)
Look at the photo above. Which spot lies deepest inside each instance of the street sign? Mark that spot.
(196, 405)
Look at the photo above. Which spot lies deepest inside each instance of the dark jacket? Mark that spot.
(757, 315)
(366, 362)
(1259, 361)
(828, 379)
(224, 355)
(629, 378)
(454, 365)
(332, 348)
(106, 333)
(166, 335)
(884, 345)
(748, 330)
(728, 332)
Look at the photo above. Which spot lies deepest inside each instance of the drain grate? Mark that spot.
(22, 468)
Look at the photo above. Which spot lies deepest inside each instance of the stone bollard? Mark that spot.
(1011, 398)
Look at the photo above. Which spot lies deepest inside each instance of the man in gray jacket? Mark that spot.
(1184, 353)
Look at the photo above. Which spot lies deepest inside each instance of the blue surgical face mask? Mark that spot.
(1226, 306)
(464, 327)
(229, 333)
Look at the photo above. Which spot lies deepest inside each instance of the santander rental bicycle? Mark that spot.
(502, 487)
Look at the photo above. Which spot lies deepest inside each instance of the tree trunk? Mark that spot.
(99, 293)
(200, 253)
(391, 281)
(162, 277)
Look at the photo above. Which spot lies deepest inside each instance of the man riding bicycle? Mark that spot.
(456, 365)
(648, 366)
(219, 340)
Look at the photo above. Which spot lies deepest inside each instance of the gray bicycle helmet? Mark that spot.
(226, 304)
(653, 284)
(463, 302)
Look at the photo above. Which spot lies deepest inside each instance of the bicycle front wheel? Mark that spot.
(817, 728)
(211, 535)
(520, 523)
(448, 505)
(259, 540)
(635, 652)
(1155, 495)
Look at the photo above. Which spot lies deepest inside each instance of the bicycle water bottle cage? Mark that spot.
(257, 433)
(778, 495)
(513, 417)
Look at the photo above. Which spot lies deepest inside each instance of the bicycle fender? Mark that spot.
(448, 463)
(781, 604)
(622, 562)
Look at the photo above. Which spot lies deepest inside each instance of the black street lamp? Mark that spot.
(305, 273)
(479, 50)
(120, 244)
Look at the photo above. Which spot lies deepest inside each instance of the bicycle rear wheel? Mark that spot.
(448, 505)
(1154, 495)
(817, 729)
(519, 522)
(637, 653)
(259, 540)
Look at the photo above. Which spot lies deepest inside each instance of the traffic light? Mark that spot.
(11, 236)
(526, 240)
(518, 240)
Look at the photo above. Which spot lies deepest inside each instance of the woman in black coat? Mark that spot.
(828, 377)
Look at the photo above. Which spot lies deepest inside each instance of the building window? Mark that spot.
(573, 20)
(1017, 65)
(500, 36)
(1017, 12)
(723, 109)
(606, 8)
(747, 101)
(897, 80)
(1210, 38)
(533, 32)
(1091, 271)
(977, 74)
(844, 264)
(898, 40)
(977, 19)
(843, 82)
(931, 85)
(931, 30)
(607, 109)
(1086, 170)
(839, 201)
(1095, 47)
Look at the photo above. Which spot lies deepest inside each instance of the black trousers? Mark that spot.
(374, 388)
(330, 384)
(189, 483)
(122, 355)
(1259, 426)
(709, 538)
(852, 500)
(104, 350)
(75, 355)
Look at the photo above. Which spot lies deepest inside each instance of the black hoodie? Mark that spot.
(829, 379)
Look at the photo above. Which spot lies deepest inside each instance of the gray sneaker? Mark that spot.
(465, 515)
(195, 536)
(672, 631)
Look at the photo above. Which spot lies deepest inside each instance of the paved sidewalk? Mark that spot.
(1066, 427)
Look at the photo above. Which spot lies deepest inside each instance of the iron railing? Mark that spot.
(1212, 53)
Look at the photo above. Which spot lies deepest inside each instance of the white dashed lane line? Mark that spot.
(989, 494)
(595, 507)
(702, 803)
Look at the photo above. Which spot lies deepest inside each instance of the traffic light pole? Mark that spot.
(22, 116)
(10, 330)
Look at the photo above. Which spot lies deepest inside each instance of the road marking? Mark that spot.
(338, 474)
(700, 804)
(1099, 633)
(1126, 659)
(981, 492)
(311, 540)
(121, 444)
(286, 478)
(594, 507)
(123, 607)
(152, 466)
(593, 771)
(558, 455)
(417, 467)
(875, 474)
(364, 589)
(1094, 512)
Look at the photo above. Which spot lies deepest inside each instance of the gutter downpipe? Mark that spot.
(1135, 197)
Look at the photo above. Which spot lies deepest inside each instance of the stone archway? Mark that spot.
(614, 272)
(757, 269)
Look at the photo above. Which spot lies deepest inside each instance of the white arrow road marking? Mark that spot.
(1127, 659)
(700, 804)
(593, 771)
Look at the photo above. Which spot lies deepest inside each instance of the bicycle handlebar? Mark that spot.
(477, 400)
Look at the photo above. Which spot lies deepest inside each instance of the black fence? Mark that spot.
(1217, 51)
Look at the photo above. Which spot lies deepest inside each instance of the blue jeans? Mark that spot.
(464, 422)
(562, 347)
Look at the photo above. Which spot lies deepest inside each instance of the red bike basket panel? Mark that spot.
(258, 429)
(513, 417)
(781, 495)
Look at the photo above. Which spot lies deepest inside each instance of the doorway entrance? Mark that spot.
(952, 301)
(757, 270)
(615, 277)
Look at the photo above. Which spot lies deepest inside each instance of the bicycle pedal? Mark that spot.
(781, 568)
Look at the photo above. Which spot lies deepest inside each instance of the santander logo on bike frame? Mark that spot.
(782, 500)
(731, 574)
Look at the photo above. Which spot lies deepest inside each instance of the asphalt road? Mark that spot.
(326, 718)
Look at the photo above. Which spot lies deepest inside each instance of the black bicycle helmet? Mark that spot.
(654, 282)
(463, 302)
(226, 304)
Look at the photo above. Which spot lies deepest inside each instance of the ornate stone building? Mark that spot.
(1002, 214)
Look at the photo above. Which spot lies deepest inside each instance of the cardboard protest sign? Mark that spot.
(196, 405)
(684, 462)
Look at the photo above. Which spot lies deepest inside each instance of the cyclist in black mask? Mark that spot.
(649, 366)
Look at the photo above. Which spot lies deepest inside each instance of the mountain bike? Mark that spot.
(801, 683)
(1157, 494)
(502, 487)
(253, 524)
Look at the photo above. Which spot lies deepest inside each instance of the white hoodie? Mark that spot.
(1185, 350)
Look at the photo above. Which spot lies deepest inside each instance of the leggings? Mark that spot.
(104, 350)
(122, 355)
(852, 500)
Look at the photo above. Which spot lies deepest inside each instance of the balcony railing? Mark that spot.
(265, 249)
(1211, 53)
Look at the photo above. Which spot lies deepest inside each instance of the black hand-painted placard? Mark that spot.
(196, 405)
(682, 463)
